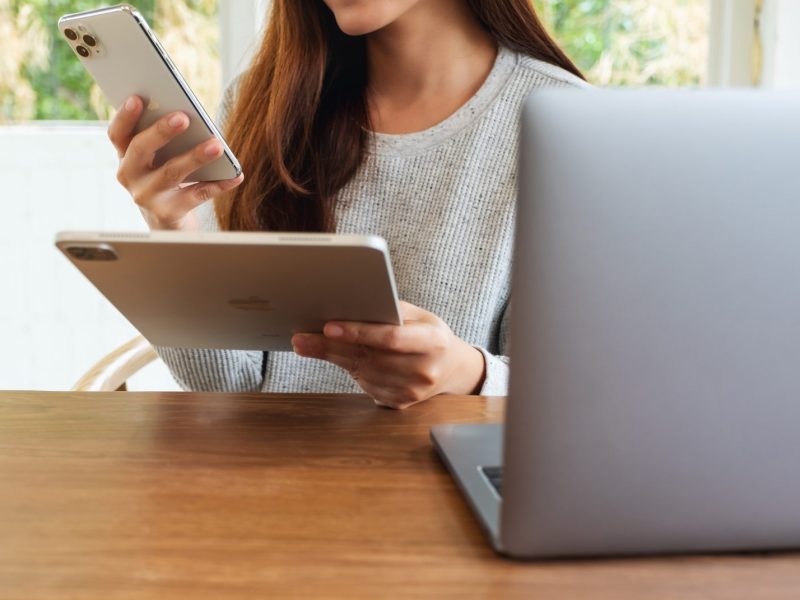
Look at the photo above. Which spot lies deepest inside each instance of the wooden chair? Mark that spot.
(112, 372)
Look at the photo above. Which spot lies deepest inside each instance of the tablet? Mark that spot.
(236, 290)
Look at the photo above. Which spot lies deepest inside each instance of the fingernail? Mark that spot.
(212, 148)
(176, 122)
(131, 103)
(333, 330)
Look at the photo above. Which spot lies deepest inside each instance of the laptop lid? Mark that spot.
(655, 380)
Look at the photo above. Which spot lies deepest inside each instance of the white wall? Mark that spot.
(53, 324)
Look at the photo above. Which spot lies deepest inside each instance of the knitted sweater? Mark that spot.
(444, 200)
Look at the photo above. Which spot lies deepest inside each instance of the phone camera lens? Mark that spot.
(89, 41)
(70, 34)
(83, 51)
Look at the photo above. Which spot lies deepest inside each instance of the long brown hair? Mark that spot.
(299, 125)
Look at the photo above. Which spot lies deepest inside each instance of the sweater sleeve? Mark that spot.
(204, 370)
(495, 382)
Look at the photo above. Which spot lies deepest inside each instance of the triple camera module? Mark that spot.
(84, 43)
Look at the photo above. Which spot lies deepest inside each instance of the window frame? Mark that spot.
(732, 43)
(241, 24)
(778, 32)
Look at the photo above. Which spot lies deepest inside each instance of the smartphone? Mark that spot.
(124, 57)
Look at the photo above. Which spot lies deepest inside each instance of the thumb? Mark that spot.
(409, 312)
(194, 195)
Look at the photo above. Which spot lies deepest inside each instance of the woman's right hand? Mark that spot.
(164, 203)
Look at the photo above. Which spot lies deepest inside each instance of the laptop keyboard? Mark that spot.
(495, 477)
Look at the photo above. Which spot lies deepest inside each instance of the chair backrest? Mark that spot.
(112, 372)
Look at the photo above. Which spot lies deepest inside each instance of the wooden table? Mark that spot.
(210, 496)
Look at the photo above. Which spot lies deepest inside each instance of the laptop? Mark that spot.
(654, 402)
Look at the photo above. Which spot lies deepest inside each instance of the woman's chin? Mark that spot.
(358, 25)
(362, 17)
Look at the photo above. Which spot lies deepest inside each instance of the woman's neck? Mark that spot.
(426, 65)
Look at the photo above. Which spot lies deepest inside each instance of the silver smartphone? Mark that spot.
(237, 290)
(125, 58)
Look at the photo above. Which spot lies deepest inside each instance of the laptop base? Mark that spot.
(467, 450)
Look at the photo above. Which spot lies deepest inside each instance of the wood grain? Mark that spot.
(141, 495)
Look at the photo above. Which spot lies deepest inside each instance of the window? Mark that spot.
(633, 42)
(41, 79)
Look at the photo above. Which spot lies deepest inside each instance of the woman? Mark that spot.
(389, 117)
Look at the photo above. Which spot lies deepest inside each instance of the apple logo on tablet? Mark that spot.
(251, 303)
(153, 105)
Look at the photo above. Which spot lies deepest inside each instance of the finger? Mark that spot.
(314, 345)
(143, 147)
(377, 367)
(349, 357)
(386, 390)
(395, 401)
(405, 338)
(175, 171)
(414, 313)
(122, 126)
(389, 379)
(411, 338)
(186, 199)
(198, 193)
(392, 388)
(396, 397)
(353, 358)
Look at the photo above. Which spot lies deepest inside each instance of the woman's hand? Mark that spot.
(164, 203)
(399, 366)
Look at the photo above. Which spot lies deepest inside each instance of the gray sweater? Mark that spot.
(444, 200)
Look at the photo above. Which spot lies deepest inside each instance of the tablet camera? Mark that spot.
(102, 252)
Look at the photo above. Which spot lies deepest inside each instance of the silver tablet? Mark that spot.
(246, 291)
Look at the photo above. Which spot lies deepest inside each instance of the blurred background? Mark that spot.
(57, 168)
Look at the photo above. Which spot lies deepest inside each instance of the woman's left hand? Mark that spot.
(399, 365)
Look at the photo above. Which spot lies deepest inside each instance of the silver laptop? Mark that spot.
(654, 404)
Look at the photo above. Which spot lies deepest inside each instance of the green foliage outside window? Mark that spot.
(63, 88)
(632, 42)
(41, 78)
(615, 42)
